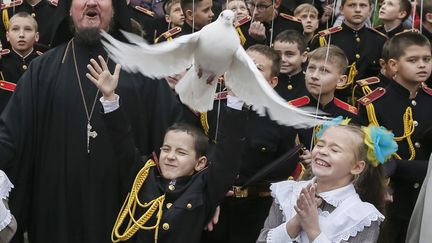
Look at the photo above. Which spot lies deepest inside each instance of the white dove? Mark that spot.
(213, 51)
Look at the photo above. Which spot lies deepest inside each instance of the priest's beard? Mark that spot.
(88, 36)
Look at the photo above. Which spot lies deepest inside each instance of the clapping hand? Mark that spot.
(306, 208)
(102, 77)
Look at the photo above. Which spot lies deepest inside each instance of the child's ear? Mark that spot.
(7, 36)
(37, 37)
(402, 14)
(167, 18)
(358, 167)
(201, 163)
(342, 80)
(382, 63)
(393, 65)
(304, 57)
(189, 15)
(274, 81)
(277, 3)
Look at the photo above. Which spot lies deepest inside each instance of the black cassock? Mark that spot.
(62, 193)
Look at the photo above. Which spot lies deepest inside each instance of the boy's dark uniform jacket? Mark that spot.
(190, 201)
(390, 104)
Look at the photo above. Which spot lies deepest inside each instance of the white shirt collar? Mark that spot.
(337, 196)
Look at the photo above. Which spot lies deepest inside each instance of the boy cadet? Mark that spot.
(22, 34)
(308, 15)
(291, 45)
(324, 73)
(243, 214)
(42, 10)
(403, 106)
(362, 45)
(393, 13)
(267, 23)
(180, 190)
(197, 15)
(175, 19)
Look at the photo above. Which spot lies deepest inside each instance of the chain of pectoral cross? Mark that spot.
(90, 133)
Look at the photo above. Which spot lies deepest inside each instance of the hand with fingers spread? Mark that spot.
(306, 208)
(100, 75)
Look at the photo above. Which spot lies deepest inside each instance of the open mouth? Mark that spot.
(321, 163)
(92, 13)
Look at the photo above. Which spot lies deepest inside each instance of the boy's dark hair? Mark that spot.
(385, 51)
(24, 15)
(405, 5)
(401, 41)
(292, 36)
(271, 54)
(333, 54)
(200, 140)
(188, 5)
(427, 8)
(370, 2)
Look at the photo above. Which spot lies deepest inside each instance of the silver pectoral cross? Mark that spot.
(91, 134)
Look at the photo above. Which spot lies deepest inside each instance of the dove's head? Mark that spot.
(227, 16)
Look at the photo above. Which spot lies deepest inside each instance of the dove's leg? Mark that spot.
(211, 78)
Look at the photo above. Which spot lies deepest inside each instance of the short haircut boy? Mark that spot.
(168, 5)
(270, 54)
(200, 140)
(24, 15)
(344, 1)
(188, 4)
(305, 8)
(333, 54)
(294, 37)
(405, 5)
(404, 40)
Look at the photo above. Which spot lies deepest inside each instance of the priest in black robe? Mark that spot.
(53, 141)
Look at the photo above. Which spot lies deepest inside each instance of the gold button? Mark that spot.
(415, 123)
(416, 185)
(33, 15)
(263, 149)
(189, 205)
(357, 56)
(358, 39)
(171, 187)
(168, 205)
(413, 102)
(289, 87)
(165, 226)
(417, 145)
(24, 67)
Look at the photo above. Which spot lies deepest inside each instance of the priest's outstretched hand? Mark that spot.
(101, 76)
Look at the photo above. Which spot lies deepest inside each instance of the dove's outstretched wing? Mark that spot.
(247, 83)
(155, 61)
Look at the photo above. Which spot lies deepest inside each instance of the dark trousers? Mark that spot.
(393, 230)
(240, 220)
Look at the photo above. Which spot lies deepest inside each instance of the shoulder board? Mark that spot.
(368, 81)
(302, 101)
(378, 32)
(330, 31)
(426, 89)
(4, 52)
(372, 96)
(339, 103)
(408, 30)
(221, 95)
(11, 4)
(290, 17)
(171, 32)
(7, 86)
(53, 2)
(39, 53)
(243, 21)
(144, 10)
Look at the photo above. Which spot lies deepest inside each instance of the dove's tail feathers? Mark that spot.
(195, 92)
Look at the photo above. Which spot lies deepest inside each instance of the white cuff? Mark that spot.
(321, 238)
(278, 234)
(234, 102)
(110, 105)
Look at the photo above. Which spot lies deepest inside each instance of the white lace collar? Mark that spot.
(337, 196)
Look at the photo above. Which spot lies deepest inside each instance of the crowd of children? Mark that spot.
(354, 182)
